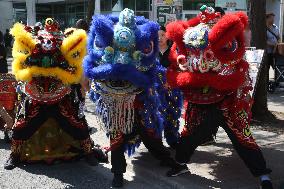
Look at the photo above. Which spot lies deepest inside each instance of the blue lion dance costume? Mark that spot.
(128, 87)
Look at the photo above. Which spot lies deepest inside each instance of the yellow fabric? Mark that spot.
(24, 44)
(49, 142)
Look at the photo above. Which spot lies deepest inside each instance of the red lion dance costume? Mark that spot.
(208, 66)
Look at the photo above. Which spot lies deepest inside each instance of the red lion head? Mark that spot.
(208, 52)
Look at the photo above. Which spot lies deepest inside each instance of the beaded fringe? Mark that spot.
(116, 113)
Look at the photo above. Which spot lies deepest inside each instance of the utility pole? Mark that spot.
(31, 12)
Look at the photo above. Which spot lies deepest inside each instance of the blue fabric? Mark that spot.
(100, 64)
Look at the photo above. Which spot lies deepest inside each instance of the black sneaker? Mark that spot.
(177, 170)
(11, 163)
(266, 184)
(91, 159)
(117, 181)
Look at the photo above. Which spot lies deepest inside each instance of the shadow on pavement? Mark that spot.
(276, 101)
(4, 145)
(74, 174)
(217, 169)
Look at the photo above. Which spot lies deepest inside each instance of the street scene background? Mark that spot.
(213, 166)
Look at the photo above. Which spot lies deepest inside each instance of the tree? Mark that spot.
(257, 12)
(90, 10)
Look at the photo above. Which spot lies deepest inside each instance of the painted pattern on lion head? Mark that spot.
(48, 60)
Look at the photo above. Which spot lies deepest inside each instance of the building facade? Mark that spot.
(67, 12)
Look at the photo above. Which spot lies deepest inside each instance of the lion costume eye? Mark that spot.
(231, 46)
(49, 22)
(97, 46)
(148, 50)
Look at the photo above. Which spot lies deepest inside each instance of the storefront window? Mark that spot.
(69, 11)
(20, 13)
(142, 5)
(129, 4)
(145, 14)
(196, 4)
(106, 5)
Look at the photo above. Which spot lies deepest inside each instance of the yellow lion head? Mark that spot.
(45, 51)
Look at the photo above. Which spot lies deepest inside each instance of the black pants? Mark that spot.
(154, 145)
(204, 128)
(271, 60)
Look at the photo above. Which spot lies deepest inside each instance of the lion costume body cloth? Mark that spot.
(207, 65)
(50, 123)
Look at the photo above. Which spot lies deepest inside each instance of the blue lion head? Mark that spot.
(122, 48)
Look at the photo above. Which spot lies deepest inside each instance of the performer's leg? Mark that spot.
(14, 158)
(201, 122)
(118, 163)
(23, 129)
(156, 147)
(246, 146)
(238, 129)
(67, 115)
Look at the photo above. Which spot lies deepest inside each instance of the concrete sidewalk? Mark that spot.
(275, 101)
(214, 166)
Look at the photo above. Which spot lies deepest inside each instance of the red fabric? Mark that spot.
(228, 87)
(227, 29)
(211, 79)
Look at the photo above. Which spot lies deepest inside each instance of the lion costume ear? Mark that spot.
(24, 43)
(73, 46)
(22, 48)
(228, 29)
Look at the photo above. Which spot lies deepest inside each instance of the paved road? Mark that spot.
(216, 166)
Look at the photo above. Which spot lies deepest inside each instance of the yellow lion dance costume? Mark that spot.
(50, 123)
